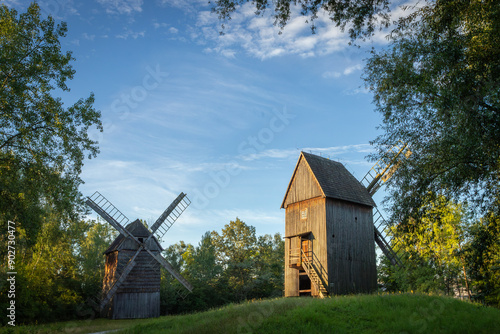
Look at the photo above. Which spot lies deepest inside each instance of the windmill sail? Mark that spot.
(372, 181)
(170, 215)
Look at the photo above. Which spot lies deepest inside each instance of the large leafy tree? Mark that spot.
(42, 143)
(437, 87)
(236, 249)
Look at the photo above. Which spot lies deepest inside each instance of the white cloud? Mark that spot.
(352, 69)
(121, 6)
(173, 30)
(347, 71)
(288, 153)
(258, 36)
(157, 25)
(331, 74)
(129, 33)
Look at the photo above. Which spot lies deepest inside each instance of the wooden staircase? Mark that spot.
(310, 270)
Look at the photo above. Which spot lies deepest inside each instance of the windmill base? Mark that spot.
(133, 306)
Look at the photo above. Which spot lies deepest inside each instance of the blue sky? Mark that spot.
(221, 118)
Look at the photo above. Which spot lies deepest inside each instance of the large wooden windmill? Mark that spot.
(332, 226)
(131, 287)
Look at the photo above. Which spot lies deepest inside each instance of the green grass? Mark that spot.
(395, 313)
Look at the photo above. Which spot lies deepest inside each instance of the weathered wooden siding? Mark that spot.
(291, 274)
(136, 305)
(351, 247)
(144, 277)
(141, 289)
(307, 216)
(110, 271)
(313, 222)
(303, 185)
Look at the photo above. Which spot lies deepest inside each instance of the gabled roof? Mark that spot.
(334, 180)
(137, 229)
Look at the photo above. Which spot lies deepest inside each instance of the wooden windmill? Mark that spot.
(131, 287)
(331, 228)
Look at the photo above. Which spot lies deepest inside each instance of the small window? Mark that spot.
(141, 240)
(303, 214)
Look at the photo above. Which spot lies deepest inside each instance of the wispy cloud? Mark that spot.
(326, 151)
(88, 37)
(258, 36)
(347, 71)
(121, 6)
(190, 6)
(132, 34)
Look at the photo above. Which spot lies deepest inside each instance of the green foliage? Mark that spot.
(228, 267)
(63, 270)
(437, 88)
(431, 249)
(483, 257)
(361, 17)
(236, 250)
(42, 143)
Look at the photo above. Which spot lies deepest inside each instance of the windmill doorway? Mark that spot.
(305, 286)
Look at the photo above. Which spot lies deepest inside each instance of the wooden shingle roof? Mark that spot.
(138, 230)
(334, 180)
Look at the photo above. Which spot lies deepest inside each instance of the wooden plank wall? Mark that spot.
(351, 247)
(136, 305)
(296, 224)
(144, 277)
(303, 185)
(142, 284)
(291, 274)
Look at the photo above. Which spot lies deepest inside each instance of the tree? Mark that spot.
(432, 250)
(483, 257)
(437, 88)
(363, 17)
(269, 266)
(42, 143)
(236, 250)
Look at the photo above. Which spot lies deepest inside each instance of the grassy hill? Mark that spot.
(400, 313)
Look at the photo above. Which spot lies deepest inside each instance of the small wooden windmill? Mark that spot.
(131, 287)
(331, 227)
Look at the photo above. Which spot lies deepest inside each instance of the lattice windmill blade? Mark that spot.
(170, 215)
(163, 224)
(165, 264)
(380, 239)
(372, 181)
(110, 213)
(381, 172)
